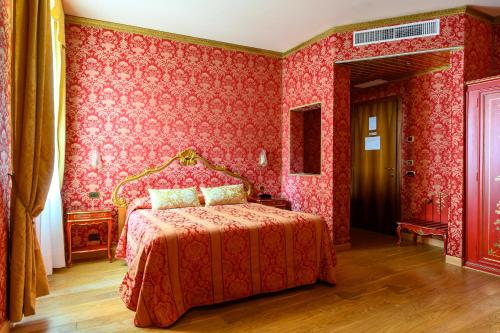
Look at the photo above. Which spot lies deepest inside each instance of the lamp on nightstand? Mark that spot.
(263, 164)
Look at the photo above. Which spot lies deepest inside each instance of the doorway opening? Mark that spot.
(375, 128)
(399, 119)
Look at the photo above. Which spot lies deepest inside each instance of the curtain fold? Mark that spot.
(32, 150)
(49, 225)
(59, 43)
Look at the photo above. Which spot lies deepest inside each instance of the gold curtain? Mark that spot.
(33, 150)
(58, 36)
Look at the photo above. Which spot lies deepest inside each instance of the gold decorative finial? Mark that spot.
(188, 157)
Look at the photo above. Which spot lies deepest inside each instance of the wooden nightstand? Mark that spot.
(274, 202)
(85, 218)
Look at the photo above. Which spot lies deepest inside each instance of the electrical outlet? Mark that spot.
(94, 195)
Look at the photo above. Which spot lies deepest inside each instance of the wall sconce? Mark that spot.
(263, 158)
(95, 159)
(263, 163)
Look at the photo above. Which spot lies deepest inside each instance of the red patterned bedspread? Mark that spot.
(182, 258)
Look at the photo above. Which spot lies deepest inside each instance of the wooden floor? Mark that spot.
(381, 288)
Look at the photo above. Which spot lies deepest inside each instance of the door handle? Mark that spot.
(390, 169)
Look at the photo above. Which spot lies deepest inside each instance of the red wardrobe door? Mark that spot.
(491, 177)
(483, 178)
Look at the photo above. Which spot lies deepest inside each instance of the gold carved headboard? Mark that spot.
(186, 157)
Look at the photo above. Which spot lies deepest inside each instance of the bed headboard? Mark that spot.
(186, 158)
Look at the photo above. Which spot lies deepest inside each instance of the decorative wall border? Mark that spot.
(168, 35)
(275, 54)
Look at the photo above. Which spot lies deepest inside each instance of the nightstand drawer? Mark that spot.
(98, 215)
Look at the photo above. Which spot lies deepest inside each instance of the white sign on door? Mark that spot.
(372, 143)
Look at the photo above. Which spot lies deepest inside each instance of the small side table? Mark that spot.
(273, 202)
(84, 218)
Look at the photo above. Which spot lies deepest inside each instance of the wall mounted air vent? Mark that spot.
(397, 32)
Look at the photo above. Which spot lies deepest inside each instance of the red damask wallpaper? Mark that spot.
(5, 33)
(141, 99)
(296, 142)
(341, 158)
(312, 141)
(496, 49)
(427, 114)
(309, 76)
(478, 48)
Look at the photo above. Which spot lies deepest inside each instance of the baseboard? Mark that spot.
(454, 261)
(424, 240)
(343, 247)
(5, 327)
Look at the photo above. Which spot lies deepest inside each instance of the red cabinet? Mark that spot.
(482, 229)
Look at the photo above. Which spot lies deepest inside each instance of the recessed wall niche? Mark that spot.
(305, 140)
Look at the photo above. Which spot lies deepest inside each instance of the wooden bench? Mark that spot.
(432, 222)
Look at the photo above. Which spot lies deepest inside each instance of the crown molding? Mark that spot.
(387, 22)
(400, 19)
(275, 54)
(169, 36)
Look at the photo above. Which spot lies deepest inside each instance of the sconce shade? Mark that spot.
(263, 158)
(95, 159)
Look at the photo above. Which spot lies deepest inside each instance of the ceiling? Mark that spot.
(396, 68)
(276, 25)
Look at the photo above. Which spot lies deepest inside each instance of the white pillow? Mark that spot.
(224, 195)
(173, 198)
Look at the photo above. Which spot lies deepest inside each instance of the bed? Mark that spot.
(186, 257)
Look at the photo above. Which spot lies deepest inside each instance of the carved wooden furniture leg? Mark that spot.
(399, 234)
(68, 235)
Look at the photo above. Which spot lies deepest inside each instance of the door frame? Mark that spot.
(399, 120)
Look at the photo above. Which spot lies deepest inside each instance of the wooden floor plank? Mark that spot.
(381, 288)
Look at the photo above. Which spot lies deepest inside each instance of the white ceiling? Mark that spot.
(276, 25)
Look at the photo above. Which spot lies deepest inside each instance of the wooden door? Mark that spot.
(482, 232)
(375, 186)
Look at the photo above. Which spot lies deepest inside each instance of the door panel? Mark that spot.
(374, 165)
(482, 225)
(491, 178)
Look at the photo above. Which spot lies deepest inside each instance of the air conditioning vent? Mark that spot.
(397, 32)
